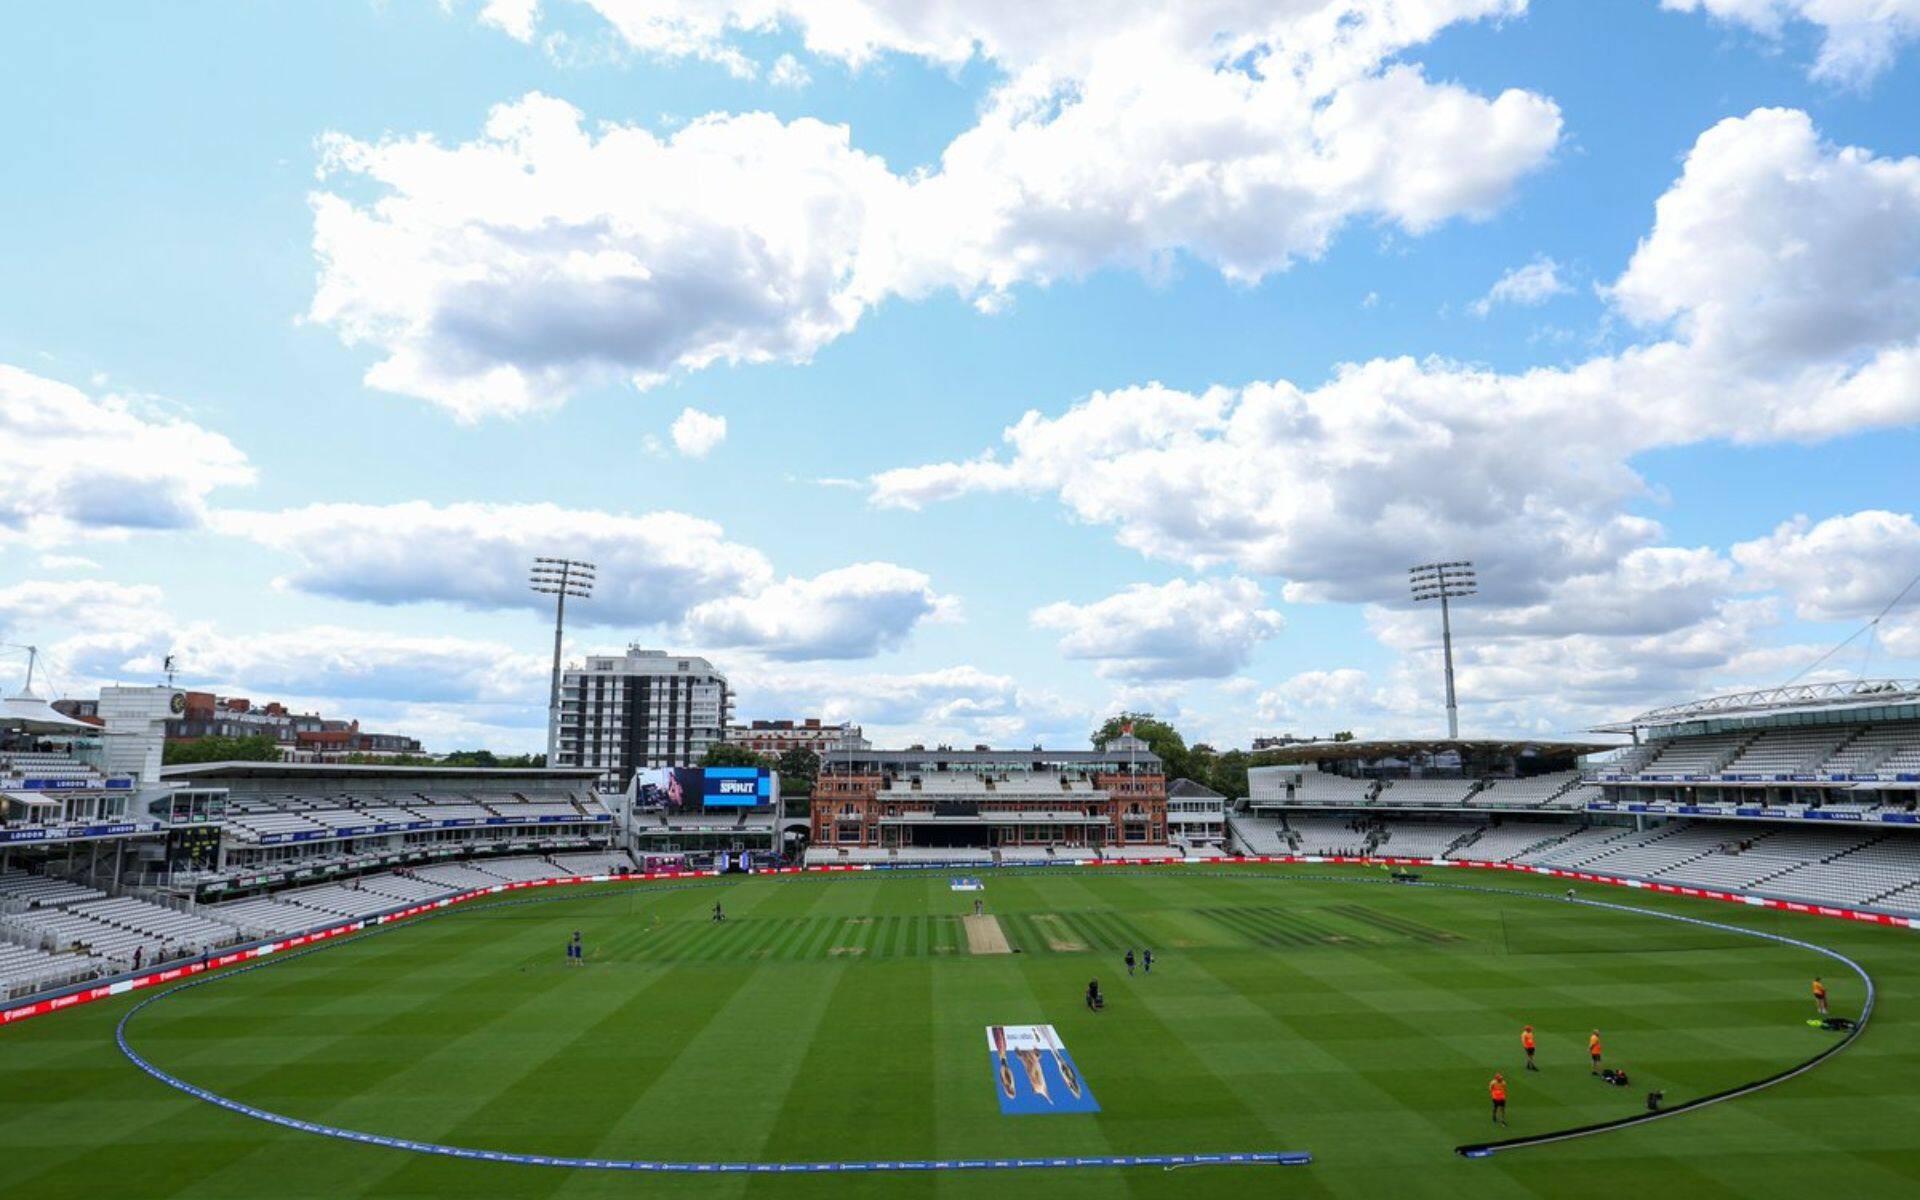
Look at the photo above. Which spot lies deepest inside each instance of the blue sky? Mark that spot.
(317, 322)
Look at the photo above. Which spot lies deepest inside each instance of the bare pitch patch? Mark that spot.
(984, 935)
(1058, 935)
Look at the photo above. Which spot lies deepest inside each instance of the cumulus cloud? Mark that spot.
(515, 18)
(788, 72)
(960, 705)
(90, 604)
(113, 632)
(696, 433)
(1788, 313)
(667, 570)
(1842, 568)
(67, 562)
(852, 612)
(1201, 629)
(73, 464)
(1859, 38)
(502, 274)
(1527, 287)
(652, 567)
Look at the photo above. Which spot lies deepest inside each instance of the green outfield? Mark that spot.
(843, 1017)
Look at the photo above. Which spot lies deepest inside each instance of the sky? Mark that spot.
(966, 369)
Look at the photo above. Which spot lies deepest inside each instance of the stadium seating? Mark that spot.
(1892, 747)
(18, 766)
(1659, 849)
(1530, 792)
(1695, 755)
(594, 862)
(1426, 791)
(1578, 848)
(1504, 843)
(1252, 834)
(24, 969)
(38, 890)
(1423, 839)
(1787, 750)
(1328, 835)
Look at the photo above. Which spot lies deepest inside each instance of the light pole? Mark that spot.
(1444, 581)
(559, 578)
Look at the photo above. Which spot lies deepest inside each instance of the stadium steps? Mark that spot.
(1741, 747)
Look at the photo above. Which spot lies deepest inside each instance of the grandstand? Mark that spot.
(1803, 794)
(1112, 800)
(289, 823)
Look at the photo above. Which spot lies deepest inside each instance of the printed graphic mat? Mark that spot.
(1033, 1073)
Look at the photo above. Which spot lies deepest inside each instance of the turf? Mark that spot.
(842, 1017)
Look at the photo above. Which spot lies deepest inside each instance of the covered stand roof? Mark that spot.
(312, 771)
(1466, 748)
(1791, 699)
(30, 714)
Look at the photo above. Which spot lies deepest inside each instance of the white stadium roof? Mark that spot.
(1787, 700)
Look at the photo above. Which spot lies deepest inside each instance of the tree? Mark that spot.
(258, 748)
(799, 768)
(488, 759)
(726, 754)
(1345, 735)
(1230, 774)
(359, 759)
(1160, 737)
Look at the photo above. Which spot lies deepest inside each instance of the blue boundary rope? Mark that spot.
(1278, 1158)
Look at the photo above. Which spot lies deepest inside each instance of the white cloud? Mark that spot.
(696, 433)
(33, 606)
(72, 464)
(666, 570)
(500, 275)
(1774, 251)
(1204, 629)
(1787, 271)
(1859, 37)
(1842, 568)
(960, 705)
(67, 562)
(515, 18)
(652, 567)
(1528, 287)
(789, 73)
(1341, 694)
(852, 612)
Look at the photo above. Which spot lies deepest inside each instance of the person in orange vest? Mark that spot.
(1593, 1051)
(1497, 1088)
(1820, 995)
(1526, 1043)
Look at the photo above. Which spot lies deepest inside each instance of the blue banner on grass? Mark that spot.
(1033, 1073)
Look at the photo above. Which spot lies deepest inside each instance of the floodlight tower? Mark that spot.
(1444, 581)
(559, 578)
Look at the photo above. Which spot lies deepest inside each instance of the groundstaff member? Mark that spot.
(1526, 1043)
(1820, 996)
(1593, 1051)
(1497, 1089)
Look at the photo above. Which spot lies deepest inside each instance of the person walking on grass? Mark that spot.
(1526, 1043)
(1129, 961)
(1819, 996)
(1146, 962)
(1497, 1089)
(1593, 1051)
